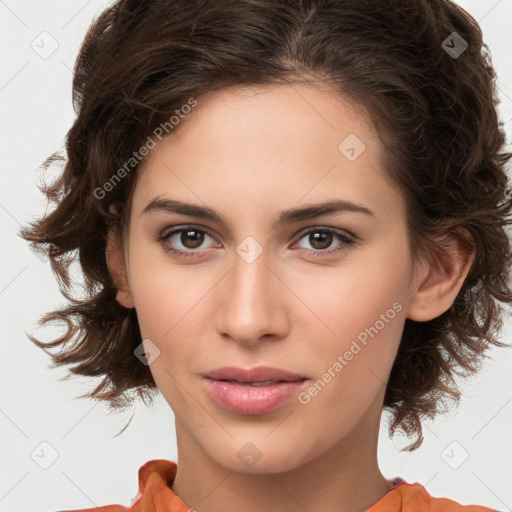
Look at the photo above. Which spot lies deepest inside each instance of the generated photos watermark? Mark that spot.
(341, 361)
(133, 161)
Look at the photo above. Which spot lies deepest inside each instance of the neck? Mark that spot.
(345, 478)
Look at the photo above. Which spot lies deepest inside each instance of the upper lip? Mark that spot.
(257, 374)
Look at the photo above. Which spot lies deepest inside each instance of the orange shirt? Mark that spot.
(157, 476)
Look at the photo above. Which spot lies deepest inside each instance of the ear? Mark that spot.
(117, 269)
(441, 278)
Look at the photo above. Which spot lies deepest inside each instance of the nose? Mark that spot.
(252, 302)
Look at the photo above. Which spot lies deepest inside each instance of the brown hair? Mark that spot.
(434, 112)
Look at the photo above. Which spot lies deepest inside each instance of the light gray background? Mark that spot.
(93, 468)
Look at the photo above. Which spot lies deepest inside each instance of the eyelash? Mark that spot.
(317, 253)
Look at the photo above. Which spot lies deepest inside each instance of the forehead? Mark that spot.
(260, 147)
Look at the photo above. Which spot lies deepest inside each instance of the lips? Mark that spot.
(254, 391)
(259, 374)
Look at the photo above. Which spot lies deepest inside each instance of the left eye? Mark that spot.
(191, 238)
(323, 238)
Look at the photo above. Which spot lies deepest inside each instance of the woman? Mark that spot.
(290, 215)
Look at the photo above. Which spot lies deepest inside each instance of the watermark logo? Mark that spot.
(351, 147)
(249, 454)
(249, 249)
(45, 45)
(44, 455)
(454, 45)
(455, 455)
(147, 352)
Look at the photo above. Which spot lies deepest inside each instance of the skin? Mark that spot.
(249, 154)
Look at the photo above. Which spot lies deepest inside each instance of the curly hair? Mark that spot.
(434, 111)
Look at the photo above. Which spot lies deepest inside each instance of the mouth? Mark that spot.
(258, 374)
(255, 384)
(254, 391)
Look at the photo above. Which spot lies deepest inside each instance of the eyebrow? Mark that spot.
(159, 204)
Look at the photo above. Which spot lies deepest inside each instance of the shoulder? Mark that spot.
(155, 479)
(413, 497)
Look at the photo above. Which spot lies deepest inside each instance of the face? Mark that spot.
(267, 279)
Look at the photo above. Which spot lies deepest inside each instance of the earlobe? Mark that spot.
(443, 280)
(117, 269)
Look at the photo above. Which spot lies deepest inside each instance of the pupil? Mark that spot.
(317, 237)
(188, 235)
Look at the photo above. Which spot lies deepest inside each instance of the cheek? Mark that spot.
(164, 293)
(166, 304)
(168, 301)
(364, 311)
(362, 299)
(367, 334)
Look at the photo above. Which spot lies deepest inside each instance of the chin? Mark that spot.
(261, 456)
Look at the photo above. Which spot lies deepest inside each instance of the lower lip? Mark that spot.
(247, 399)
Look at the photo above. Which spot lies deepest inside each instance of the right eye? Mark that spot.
(190, 238)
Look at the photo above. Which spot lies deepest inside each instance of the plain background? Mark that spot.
(466, 455)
